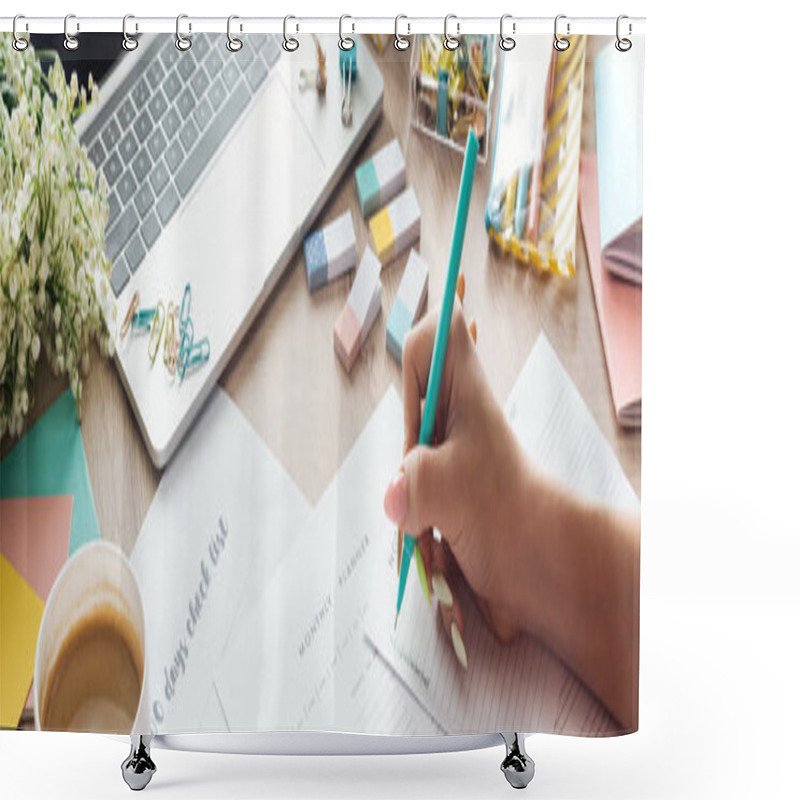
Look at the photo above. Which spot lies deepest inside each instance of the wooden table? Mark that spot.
(285, 376)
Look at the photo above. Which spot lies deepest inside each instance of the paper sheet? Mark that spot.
(20, 616)
(34, 537)
(224, 508)
(519, 686)
(50, 460)
(298, 658)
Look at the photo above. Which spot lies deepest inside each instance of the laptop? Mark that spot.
(217, 164)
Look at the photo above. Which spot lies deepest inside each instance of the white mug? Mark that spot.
(97, 576)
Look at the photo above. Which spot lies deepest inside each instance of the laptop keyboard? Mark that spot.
(162, 128)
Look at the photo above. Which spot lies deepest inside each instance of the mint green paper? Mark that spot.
(50, 460)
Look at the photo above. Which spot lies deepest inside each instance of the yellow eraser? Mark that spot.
(381, 235)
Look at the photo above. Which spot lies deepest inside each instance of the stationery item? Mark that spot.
(619, 309)
(618, 91)
(298, 645)
(129, 314)
(330, 252)
(156, 332)
(360, 311)
(396, 226)
(408, 304)
(34, 537)
(348, 70)
(20, 616)
(451, 89)
(49, 460)
(532, 207)
(442, 334)
(380, 178)
(508, 685)
(223, 507)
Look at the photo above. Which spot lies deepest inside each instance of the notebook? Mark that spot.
(507, 686)
(619, 310)
(618, 88)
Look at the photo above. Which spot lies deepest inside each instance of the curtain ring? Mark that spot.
(70, 42)
(400, 42)
(623, 45)
(233, 44)
(451, 42)
(183, 43)
(345, 42)
(559, 42)
(290, 44)
(507, 42)
(19, 44)
(128, 42)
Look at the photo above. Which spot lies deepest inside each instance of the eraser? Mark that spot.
(360, 311)
(330, 252)
(379, 179)
(395, 227)
(408, 304)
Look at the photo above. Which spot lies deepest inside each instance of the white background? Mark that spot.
(720, 604)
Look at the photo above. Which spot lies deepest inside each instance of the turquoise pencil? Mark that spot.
(442, 334)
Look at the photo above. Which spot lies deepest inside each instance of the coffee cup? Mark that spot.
(90, 668)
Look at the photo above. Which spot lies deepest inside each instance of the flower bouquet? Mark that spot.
(54, 290)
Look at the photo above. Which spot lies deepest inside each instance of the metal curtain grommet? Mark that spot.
(70, 42)
(559, 42)
(182, 42)
(507, 42)
(451, 42)
(19, 44)
(290, 44)
(623, 44)
(345, 42)
(400, 42)
(233, 44)
(128, 42)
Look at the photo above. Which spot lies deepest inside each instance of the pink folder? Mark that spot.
(34, 537)
(619, 309)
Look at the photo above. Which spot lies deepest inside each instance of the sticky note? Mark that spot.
(396, 226)
(408, 304)
(379, 179)
(50, 460)
(360, 311)
(20, 617)
(330, 252)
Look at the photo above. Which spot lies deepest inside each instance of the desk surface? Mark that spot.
(310, 426)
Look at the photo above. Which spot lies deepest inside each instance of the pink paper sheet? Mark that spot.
(34, 537)
(619, 308)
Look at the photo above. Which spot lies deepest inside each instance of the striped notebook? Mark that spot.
(533, 202)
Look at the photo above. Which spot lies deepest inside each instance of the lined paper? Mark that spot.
(520, 685)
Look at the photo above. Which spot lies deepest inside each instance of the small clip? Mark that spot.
(142, 320)
(197, 355)
(187, 338)
(348, 69)
(171, 339)
(156, 332)
(132, 309)
(186, 306)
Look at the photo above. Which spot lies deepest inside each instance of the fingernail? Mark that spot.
(394, 501)
(473, 331)
(441, 589)
(461, 285)
(458, 645)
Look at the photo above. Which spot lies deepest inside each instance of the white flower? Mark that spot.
(35, 347)
(57, 318)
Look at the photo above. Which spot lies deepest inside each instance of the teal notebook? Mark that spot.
(50, 460)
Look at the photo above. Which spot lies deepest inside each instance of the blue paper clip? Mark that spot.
(197, 355)
(348, 69)
(142, 320)
(186, 306)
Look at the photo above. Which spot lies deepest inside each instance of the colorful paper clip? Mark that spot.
(156, 331)
(171, 339)
(143, 319)
(195, 356)
(348, 69)
(132, 309)
(186, 306)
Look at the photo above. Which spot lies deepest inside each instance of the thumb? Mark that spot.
(421, 494)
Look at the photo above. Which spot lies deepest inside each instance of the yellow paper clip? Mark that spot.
(156, 332)
(132, 309)
(171, 339)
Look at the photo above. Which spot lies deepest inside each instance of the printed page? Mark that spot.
(223, 507)
(298, 658)
(521, 685)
